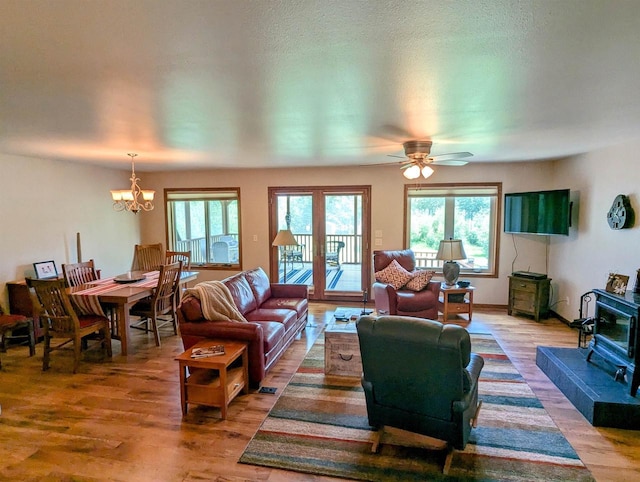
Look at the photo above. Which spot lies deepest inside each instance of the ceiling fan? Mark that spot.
(418, 161)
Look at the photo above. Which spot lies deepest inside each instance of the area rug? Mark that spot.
(319, 426)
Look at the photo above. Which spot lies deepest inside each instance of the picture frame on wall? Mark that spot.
(45, 269)
(617, 283)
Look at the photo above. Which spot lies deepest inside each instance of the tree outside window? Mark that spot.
(467, 212)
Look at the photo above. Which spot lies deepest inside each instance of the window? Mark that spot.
(469, 212)
(207, 223)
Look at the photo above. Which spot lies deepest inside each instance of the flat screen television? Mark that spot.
(540, 212)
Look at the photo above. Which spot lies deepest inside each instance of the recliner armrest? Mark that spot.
(474, 368)
(435, 287)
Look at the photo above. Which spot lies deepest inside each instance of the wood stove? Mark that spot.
(615, 334)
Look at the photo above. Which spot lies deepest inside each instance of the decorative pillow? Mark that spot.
(394, 275)
(420, 280)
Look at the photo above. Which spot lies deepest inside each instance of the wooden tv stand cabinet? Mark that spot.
(529, 296)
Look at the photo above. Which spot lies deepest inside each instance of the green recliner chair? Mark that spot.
(420, 376)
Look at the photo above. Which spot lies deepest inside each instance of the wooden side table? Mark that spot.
(214, 381)
(455, 301)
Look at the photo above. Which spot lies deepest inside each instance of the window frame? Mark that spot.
(449, 190)
(203, 194)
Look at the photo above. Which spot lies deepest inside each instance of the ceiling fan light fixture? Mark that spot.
(426, 172)
(412, 172)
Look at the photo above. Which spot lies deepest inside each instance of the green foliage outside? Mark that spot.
(471, 223)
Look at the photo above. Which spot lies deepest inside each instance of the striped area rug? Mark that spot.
(319, 426)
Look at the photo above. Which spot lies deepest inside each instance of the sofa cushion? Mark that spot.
(406, 258)
(419, 280)
(260, 284)
(241, 292)
(299, 305)
(285, 317)
(191, 309)
(394, 275)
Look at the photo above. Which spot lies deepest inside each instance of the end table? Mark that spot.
(455, 300)
(214, 380)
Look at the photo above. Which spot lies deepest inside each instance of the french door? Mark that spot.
(331, 228)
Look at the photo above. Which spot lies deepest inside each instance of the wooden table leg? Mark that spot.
(123, 326)
(183, 388)
(225, 391)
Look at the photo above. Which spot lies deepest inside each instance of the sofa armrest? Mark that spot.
(225, 330)
(288, 290)
(250, 332)
(385, 298)
(435, 287)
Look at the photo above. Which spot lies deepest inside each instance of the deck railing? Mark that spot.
(198, 247)
(350, 254)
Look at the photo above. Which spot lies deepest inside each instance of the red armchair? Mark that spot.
(403, 301)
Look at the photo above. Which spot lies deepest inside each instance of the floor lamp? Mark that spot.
(284, 238)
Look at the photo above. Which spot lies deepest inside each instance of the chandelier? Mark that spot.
(128, 198)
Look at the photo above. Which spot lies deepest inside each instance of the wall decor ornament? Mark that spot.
(620, 215)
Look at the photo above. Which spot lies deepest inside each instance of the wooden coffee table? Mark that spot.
(341, 344)
(214, 381)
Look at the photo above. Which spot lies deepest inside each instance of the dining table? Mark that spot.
(117, 295)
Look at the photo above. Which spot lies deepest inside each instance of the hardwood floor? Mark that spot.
(121, 419)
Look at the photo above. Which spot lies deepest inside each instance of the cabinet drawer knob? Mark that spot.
(346, 357)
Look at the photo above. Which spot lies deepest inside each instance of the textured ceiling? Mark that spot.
(195, 84)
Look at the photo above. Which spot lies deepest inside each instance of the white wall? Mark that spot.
(387, 208)
(44, 203)
(582, 261)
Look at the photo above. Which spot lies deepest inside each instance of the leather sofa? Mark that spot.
(403, 301)
(420, 375)
(275, 313)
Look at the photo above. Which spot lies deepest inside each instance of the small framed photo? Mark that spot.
(617, 283)
(45, 269)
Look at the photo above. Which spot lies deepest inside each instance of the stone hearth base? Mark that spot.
(591, 387)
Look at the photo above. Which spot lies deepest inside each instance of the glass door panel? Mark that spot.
(342, 243)
(330, 227)
(295, 213)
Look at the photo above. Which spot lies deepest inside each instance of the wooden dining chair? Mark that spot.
(163, 301)
(12, 324)
(79, 273)
(147, 257)
(175, 256)
(60, 320)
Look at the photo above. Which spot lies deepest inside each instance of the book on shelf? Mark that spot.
(207, 351)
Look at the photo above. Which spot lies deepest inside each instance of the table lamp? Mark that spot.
(284, 238)
(449, 251)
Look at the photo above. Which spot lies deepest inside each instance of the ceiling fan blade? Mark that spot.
(450, 155)
(449, 162)
(398, 157)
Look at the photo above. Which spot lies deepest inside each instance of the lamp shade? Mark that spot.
(412, 172)
(284, 238)
(451, 249)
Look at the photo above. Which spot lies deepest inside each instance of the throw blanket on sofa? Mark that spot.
(216, 300)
